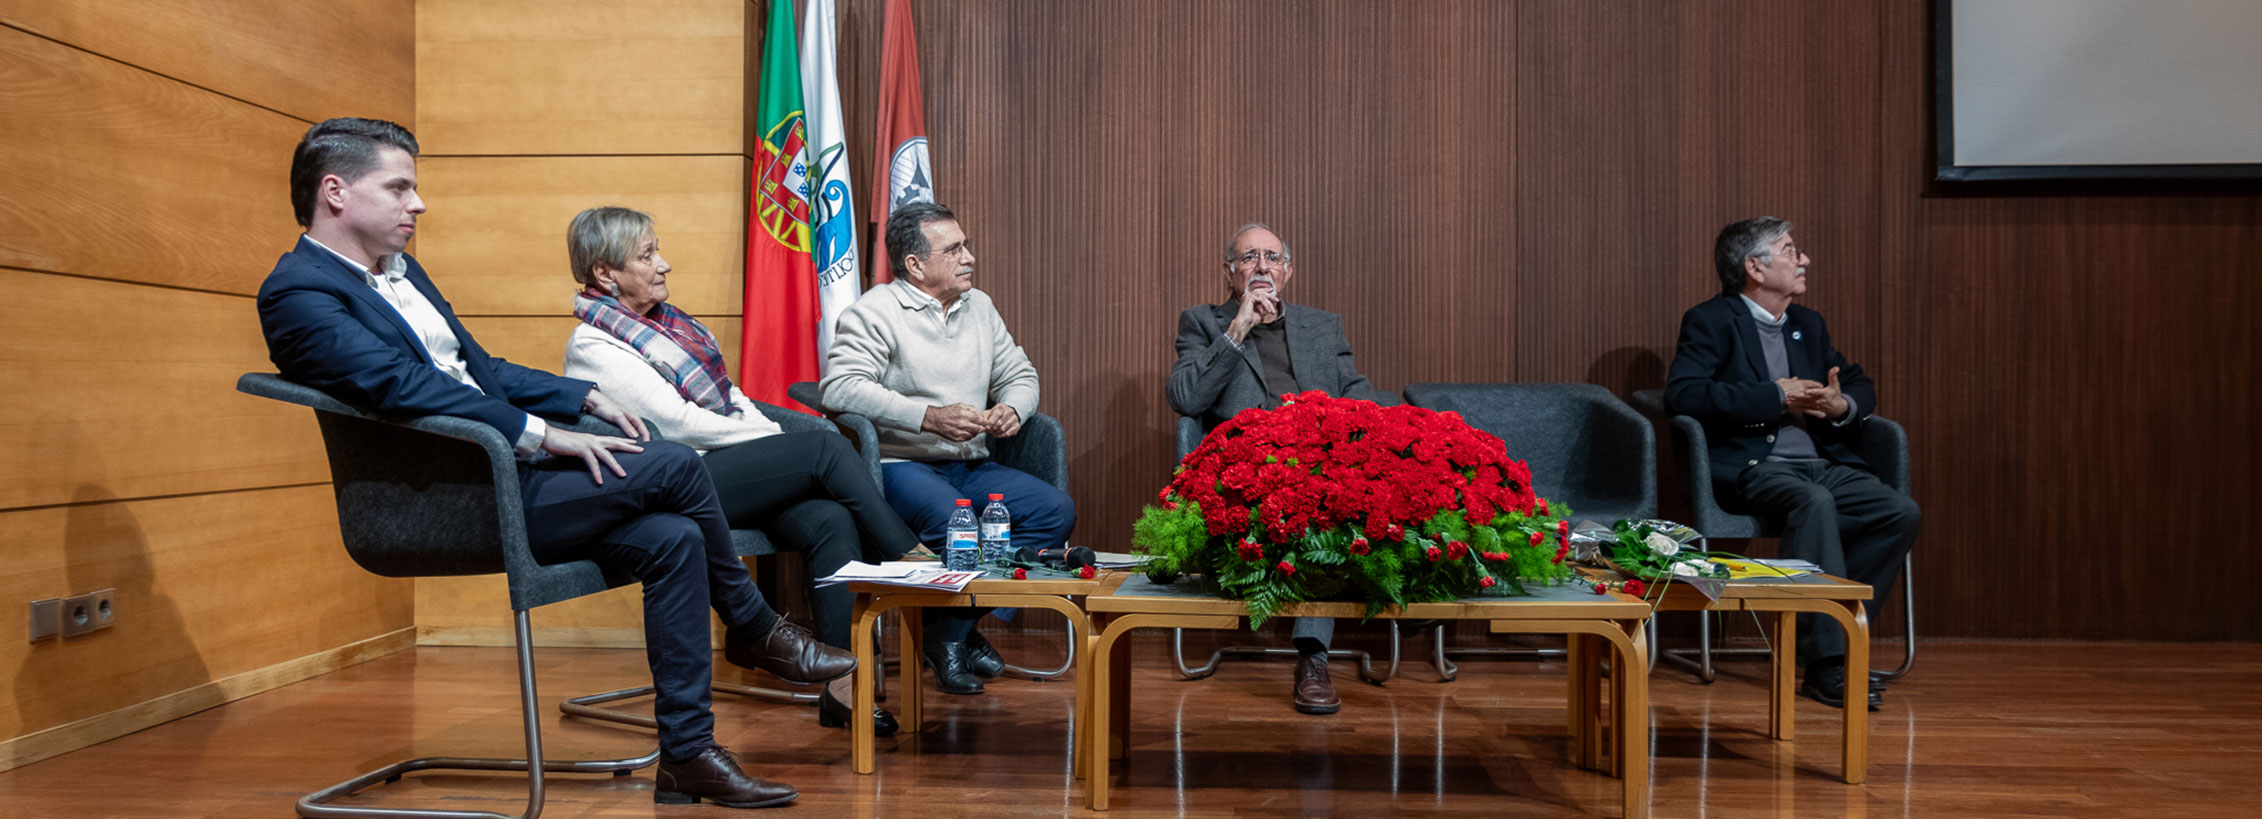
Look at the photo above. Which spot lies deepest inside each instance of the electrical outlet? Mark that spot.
(88, 612)
(46, 618)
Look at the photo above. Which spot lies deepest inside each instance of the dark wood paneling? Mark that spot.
(1528, 191)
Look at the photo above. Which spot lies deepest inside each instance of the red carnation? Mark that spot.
(1433, 553)
(1163, 495)
(1455, 549)
(1285, 567)
(1170, 506)
(1537, 537)
(1564, 527)
(1086, 572)
(1359, 546)
(1542, 506)
(1634, 587)
(1394, 532)
(1601, 588)
(1484, 582)
(1020, 574)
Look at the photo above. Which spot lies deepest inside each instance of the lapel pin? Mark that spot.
(1794, 335)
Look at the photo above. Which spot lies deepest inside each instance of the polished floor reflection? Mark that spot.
(1978, 730)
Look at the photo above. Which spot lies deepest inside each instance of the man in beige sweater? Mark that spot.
(928, 359)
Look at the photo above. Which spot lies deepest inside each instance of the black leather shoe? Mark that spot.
(981, 657)
(1315, 691)
(948, 659)
(713, 775)
(1826, 683)
(833, 713)
(788, 651)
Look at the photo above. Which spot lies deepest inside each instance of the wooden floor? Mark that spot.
(1979, 730)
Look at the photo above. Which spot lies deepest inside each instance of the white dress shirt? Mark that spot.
(432, 331)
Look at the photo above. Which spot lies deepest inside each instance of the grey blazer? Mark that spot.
(1212, 379)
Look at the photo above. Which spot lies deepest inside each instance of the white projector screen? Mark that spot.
(2099, 88)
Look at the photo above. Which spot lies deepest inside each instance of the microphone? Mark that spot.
(1070, 558)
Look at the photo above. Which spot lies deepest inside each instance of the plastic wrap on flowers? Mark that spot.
(1336, 498)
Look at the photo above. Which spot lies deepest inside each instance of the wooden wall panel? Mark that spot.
(117, 172)
(495, 237)
(311, 61)
(149, 412)
(207, 586)
(1528, 192)
(582, 76)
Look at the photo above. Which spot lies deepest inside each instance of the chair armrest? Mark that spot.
(789, 420)
(806, 394)
(1885, 446)
(1627, 430)
(1041, 449)
(866, 437)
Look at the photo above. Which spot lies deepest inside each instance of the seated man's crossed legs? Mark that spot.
(1851, 524)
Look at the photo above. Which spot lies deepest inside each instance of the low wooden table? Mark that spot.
(1570, 610)
(1835, 597)
(875, 599)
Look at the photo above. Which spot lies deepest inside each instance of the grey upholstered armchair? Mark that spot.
(439, 496)
(1040, 450)
(747, 543)
(1884, 446)
(1587, 450)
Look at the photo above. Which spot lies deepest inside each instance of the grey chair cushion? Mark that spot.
(1586, 449)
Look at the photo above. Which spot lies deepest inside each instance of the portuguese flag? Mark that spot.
(778, 341)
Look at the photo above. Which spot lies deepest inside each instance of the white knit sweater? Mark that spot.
(624, 376)
(897, 352)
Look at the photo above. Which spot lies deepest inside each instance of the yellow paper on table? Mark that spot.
(1740, 569)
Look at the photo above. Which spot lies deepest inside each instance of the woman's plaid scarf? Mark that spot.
(674, 343)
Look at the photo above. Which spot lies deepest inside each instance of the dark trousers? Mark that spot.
(1842, 518)
(662, 525)
(925, 492)
(811, 493)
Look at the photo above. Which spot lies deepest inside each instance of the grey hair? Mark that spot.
(1235, 241)
(606, 234)
(1752, 238)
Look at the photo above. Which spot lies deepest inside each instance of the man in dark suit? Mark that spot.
(350, 313)
(1782, 410)
(1247, 353)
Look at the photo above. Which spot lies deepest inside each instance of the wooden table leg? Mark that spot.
(1576, 658)
(1856, 623)
(1103, 664)
(913, 638)
(1119, 699)
(868, 671)
(1631, 707)
(1782, 663)
(1087, 641)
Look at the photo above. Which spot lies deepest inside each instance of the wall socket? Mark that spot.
(46, 618)
(88, 612)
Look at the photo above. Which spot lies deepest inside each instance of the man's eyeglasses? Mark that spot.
(1251, 258)
(960, 247)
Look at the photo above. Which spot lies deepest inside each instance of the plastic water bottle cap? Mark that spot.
(965, 502)
(997, 497)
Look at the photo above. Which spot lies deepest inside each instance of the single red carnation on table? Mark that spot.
(1601, 588)
(1020, 574)
(1635, 587)
(1484, 582)
(1087, 572)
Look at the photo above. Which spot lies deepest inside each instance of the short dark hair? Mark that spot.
(344, 146)
(907, 235)
(1743, 240)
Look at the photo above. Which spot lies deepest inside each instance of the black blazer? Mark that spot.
(1719, 377)
(328, 329)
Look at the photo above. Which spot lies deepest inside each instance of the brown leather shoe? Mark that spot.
(789, 651)
(1315, 693)
(713, 775)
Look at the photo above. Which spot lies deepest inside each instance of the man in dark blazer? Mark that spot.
(1782, 411)
(349, 312)
(1247, 353)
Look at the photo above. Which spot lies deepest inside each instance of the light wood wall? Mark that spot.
(144, 149)
(528, 113)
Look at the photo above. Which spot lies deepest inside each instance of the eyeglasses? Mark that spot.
(1251, 258)
(962, 247)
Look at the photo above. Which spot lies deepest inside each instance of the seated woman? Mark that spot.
(809, 491)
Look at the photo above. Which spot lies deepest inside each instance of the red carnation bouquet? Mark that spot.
(1338, 498)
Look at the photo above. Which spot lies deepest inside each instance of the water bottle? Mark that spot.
(961, 541)
(997, 531)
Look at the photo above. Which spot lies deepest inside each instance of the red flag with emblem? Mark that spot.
(778, 341)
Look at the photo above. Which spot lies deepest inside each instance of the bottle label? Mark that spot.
(961, 550)
(996, 531)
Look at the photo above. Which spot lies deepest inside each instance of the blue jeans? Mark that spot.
(925, 492)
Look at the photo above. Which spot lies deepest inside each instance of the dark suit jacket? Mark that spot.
(1719, 377)
(1213, 380)
(326, 328)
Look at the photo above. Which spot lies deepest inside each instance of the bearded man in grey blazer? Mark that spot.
(1246, 353)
